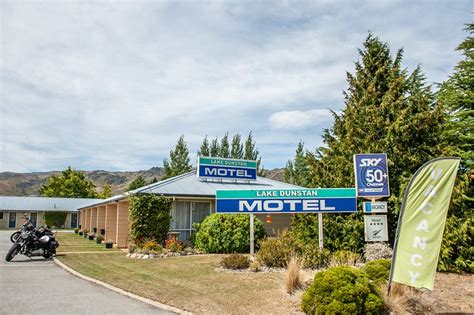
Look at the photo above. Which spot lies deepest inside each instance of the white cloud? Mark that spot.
(299, 119)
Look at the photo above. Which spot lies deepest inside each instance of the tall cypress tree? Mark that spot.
(386, 110)
(237, 148)
(204, 150)
(298, 172)
(224, 151)
(179, 160)
(251, 153)
(214, 150)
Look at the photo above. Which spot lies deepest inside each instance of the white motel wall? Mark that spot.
(193, 200)
(14, 210)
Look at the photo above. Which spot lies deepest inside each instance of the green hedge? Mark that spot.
(227, 233)
(55, 218)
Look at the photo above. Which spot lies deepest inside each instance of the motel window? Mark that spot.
(1, 215)
(185, 214)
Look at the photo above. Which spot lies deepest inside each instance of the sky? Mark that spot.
(113, 84)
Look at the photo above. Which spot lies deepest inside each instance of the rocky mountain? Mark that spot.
(28, 184)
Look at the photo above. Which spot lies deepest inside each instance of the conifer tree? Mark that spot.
(251, 153)
(388, 111)
(214, 150)
(224, 151)
(106, 192)
(179, 160)
(137, 183)
(237, 148)
(69, 184)
(204, 150)
(298, 173)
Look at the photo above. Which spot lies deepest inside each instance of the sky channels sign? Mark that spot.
(371, 175)
(219, 168)
(375, 206)
(323, 200)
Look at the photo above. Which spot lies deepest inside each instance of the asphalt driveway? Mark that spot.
(38, 286)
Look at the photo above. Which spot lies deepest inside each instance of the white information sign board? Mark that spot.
(376, 229)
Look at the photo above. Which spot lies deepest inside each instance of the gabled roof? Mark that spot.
(189, 185)
(11, 203)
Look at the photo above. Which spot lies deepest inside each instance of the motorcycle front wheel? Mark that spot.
(15, 236)
(12, 252)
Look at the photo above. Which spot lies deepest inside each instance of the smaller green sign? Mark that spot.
(227, 162)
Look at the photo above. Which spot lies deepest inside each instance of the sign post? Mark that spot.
(320, 230)
(252, 235)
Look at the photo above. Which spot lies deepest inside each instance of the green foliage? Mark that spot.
(386, 110)
(179, 160)
(345, 258)
(377, 270)
(298, 172)
(237, 148)
(227, 233)
(276, 252)
(313, 257)
(457, 95)
(150, 218)
(69, 184)
(137, 183)
(106, 192)
(235, 261)
(174, 245)
(99, 239)
(224, 151)
(55, 218)
(341, 290)
(76, 231)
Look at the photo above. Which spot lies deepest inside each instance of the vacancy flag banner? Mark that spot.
(421, 223)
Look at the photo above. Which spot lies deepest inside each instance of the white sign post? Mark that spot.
(320, 230)
(252, 236)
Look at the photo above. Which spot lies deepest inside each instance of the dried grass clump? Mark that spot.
(344, 258)
(377, 250)
(293, 275)
(403, 299)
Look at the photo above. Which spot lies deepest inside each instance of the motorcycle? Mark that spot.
(26, 225)
(34, 242)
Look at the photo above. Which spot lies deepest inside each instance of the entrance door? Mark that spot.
(33, 218)
(12, 220)
(73, 220)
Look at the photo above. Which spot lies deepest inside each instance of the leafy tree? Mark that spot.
(150, 218)
(457, 95)
(224, 151)
(204, 150)
(237, 148)
(386, 110)
(179, 160)
(106, 192)
(137, 183)
(69, 184)
(55, 218)
(298, 173)
(154, 180)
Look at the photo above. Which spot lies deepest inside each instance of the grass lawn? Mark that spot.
(70, 242)
(189, 283)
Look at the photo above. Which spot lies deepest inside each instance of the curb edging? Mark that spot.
(121, 291)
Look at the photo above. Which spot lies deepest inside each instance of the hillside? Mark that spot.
(28, 184)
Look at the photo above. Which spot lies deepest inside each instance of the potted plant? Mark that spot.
(85, 233)
(99, 239)
(76, 231)
(81, 232)
(109, 244)
(91, 236)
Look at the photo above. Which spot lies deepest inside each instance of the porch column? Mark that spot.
(122, 224)
(93, 219)
(111, 222)
(100, 218)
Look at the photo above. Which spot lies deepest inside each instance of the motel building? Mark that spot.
(193, 200)
(14, 210)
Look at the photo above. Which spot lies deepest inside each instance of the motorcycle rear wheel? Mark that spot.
(15, 236)
(12, 252)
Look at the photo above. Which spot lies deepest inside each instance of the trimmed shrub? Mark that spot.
(377, 250)
(235, 261)
(276, 252)
(313, 257)
(55, 218)
(150, 218)
(227, 233)
(341, 290)
(99, 239)
(377, 270)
